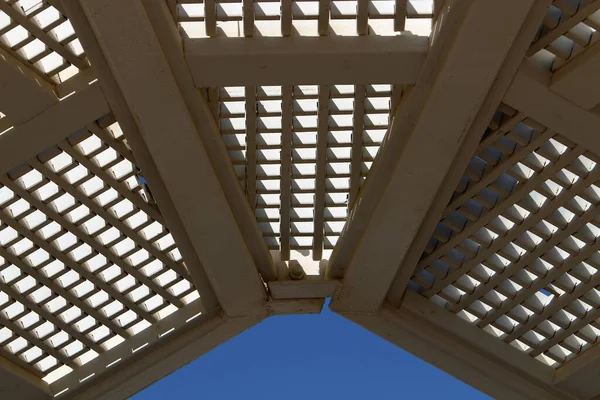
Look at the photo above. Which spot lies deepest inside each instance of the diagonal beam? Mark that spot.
(530, 93)
(578, 80)
(152, 92)
(23, 93)
(460, 349)
(53, 125)
(472, 44)
(152, 354)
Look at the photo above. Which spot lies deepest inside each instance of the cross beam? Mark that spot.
(313, 60)
(474, 43)
(24, 94)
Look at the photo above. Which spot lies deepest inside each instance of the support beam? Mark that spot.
(461, 349)
(17, 383)
(23, 93)
(530, 94)
(151, 363)
(53, 125)
(579, 376)
(578, 80)
(160, 106)
(469, 50)
(306, 60)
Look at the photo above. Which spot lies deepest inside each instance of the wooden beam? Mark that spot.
(150, 79)
(53, 125)
(304, 289)
(23, 93)
(530, 94)
(579, 376)
(17, 383)
(578, 80)
(306, 60)
(135, 370)
(461, 349)
(468, 52)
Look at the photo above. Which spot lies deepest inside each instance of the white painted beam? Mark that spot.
(139, 370)
(530, 93)
(23, 93)
(578, 80)
(51, 126)
(306, 60)
(468, 52)
(461, 349)
(150, 82)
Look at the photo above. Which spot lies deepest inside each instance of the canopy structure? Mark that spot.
(172, 172)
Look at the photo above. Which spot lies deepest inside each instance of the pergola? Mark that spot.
(175, 171)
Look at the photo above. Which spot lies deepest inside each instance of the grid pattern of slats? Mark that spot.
(569, 28)
(38, 34)
(301, 154)
(85, 259)
(516, 252)
(303, 17)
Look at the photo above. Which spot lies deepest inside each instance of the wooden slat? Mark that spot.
(65, 259)
(358, 127)
(564, 26)
(362, 17)
(286, 17)
(425, 137)
(248, 9)
(321, 170)
(286, 171)
(42, 36)
(400, 15)
(323, 22)
(251, 145)
(210, 17)
(67, 295)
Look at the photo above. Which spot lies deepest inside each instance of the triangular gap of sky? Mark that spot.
(308, 357)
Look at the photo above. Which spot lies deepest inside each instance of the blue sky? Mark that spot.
(308, 357)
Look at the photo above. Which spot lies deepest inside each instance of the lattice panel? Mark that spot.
(516, 252)
(38, 34)
(301, 154)
(303, 17)
(569, 28)
(85, 259)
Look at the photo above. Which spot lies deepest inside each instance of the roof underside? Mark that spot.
(173, 172)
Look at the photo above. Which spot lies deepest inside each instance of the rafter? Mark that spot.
(401, 189)
(145, 80)
(453, 345)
